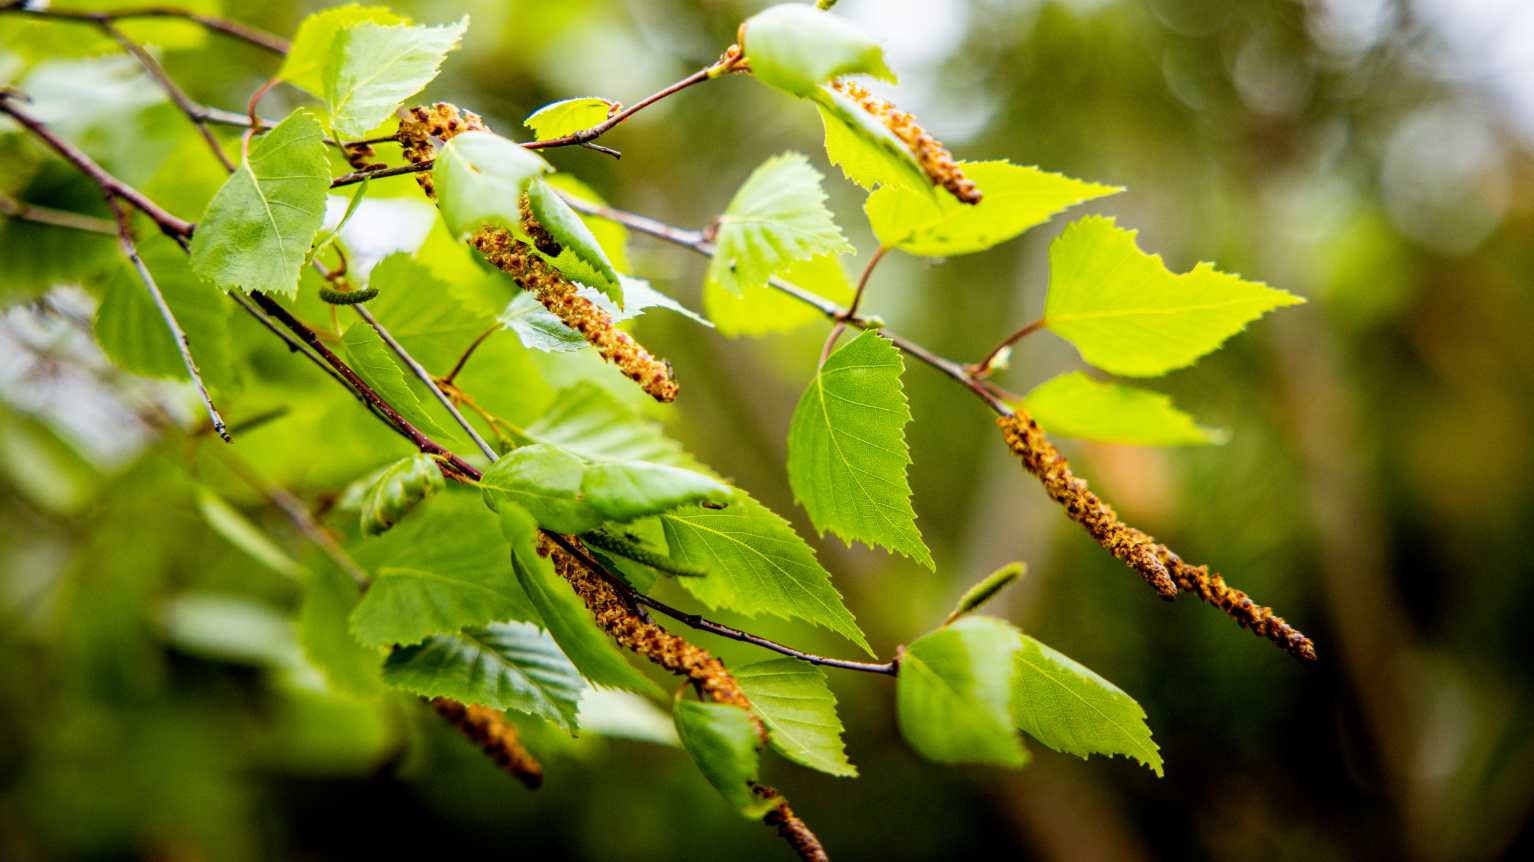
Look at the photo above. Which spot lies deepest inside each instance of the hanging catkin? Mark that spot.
(494, 734)
(417, 135)
(935, 160)
(614, 615)
(1161, 568)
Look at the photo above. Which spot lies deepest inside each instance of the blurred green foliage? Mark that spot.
(1377, 486)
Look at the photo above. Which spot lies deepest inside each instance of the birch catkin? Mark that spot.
(495, 735)
(935, 160)
(1158, 564)
(417, 135)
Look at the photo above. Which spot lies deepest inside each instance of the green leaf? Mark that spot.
(792, 698)
(537, 328)
(627, 490)
(39, 256)
(257, 230)
(612, 235)
(1074, 711)
(868, 153)
(444, 569)
(955, 690)
(326, 638)
(374, 362)
(129, 328)
(373, 68)
(480, 178)
(513, 666)
(563, 613)
(546, 481)
(397, 490)
(431, 318)
(565, 225)
(762, 310)
(777, 217)
(589, 421)
(1075, 405)
(722, 742)
(756, 565)
(229, 628)
(847, 454)
(1129, 315)
(229, 523)
(794, 47)
(986, 589)
(1016, 198)
(557, 119)
(304, 65)
(621, 715)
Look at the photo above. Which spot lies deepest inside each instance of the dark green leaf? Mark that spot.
(792, 698)
(513, 666)
(722, 742)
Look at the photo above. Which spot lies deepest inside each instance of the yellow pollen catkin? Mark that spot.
(935, 160)
(495, 735)
(1161, 568)
(417, 135)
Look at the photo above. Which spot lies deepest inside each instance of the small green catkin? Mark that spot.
(625, 546)
(347, 297)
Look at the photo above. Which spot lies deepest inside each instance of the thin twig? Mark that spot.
(458, 467)
(852, 307)
(462, 360)
(183, 346)
(177, 95)
(983, 367)
(695, 241)
(57, 218)
(171, 225)
(233, 29)
(378, 173)
(425, 377)
(585, 136)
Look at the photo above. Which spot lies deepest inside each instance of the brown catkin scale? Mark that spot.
(361, 157)
(934, 158)
(1238, 605)
(790, 827)
(421, 124)
(495, 735)
(1152, 559)
(615, 616)
(707, 674)
(560, 296)
(1042, 459)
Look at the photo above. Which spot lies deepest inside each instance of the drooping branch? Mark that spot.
(176, 228)
(1162, 568)
(171, 88)
(233, 29)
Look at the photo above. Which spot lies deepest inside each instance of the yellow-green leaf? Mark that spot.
(777, 217)
(795, 47)
(372, 68)
(1074, 711)
(1016, 199)
(1129, 315)
(557, 119)
(1075, 405)
(304, 65)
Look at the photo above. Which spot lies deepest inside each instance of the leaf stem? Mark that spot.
(983, 368)
(463, 360)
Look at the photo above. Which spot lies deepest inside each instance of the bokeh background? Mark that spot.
(1374, 156)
